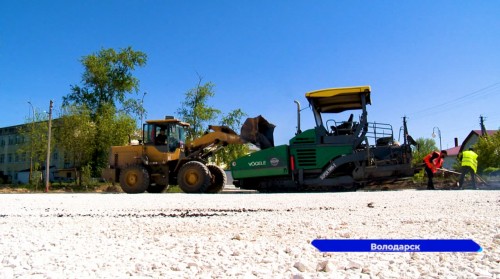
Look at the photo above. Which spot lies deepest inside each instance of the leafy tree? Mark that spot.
(488, 151)
(106, 83)
(425, 146)
(113, 129)
(86, 141)
(195, 111)
(76, 137)
(107, 80)
(34, 139)
(234, 121)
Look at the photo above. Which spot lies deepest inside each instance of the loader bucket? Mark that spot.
(259, 131)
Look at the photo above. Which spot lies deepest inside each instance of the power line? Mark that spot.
(493, 88)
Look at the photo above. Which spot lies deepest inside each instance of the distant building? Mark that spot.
(473, 137)
(451, 158)
(15, 166)
(469, 141)
(11, 162)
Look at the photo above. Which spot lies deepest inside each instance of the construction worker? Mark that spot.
(469, 164)
(433, 161)
(161, 137)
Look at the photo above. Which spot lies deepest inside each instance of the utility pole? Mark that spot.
(31, 142)
(142, 111)
(47, 166)
(483, 128)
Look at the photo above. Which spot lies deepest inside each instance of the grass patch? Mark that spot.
(174, 189)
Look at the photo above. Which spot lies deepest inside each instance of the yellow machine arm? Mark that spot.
(257, 131)
(221, 135)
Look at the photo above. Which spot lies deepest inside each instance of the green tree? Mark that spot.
(234, 121)
(425, 146)
(113, 129)
(76, 135)
(107, 80)
(195, 110)
(488, 151)
(33, 143)
(86, 141)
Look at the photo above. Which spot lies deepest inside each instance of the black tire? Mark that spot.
(219, 179)
(134, 180)
(156, 188)
(194, 177)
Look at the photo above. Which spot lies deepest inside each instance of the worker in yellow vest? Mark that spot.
(469, 164)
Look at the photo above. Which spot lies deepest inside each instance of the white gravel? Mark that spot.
(243, 235)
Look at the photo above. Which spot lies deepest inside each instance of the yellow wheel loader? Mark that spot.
(164, 157)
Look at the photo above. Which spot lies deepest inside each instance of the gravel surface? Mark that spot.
(243, 235)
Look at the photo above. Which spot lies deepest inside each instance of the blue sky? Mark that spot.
(437, 62)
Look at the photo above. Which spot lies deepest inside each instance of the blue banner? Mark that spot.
(396, 245)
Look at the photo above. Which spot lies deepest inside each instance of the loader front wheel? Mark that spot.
(219, 179)
(194, 177)
(134, 179)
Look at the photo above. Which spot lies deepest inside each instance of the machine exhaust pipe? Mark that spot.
(298, 117)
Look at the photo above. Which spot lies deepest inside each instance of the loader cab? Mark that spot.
(166, 135)
(329, 106)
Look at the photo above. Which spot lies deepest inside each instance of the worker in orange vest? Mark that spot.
(433, 161)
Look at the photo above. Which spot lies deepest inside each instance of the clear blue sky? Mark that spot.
(437, 62)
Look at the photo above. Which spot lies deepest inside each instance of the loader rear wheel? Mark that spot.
(219, 179)
(194, 177)
(134, 179)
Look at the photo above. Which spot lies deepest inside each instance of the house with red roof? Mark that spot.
(451, 158)
(473, 137)
(469, 141)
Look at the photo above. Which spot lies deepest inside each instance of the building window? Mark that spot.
(2, 158)
(9, 158)
(67, 163)
(55, 156)
(16, 158)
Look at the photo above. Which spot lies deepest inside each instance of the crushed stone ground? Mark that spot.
(243, 235)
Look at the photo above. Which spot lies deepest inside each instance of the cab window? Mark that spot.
(148, 133)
